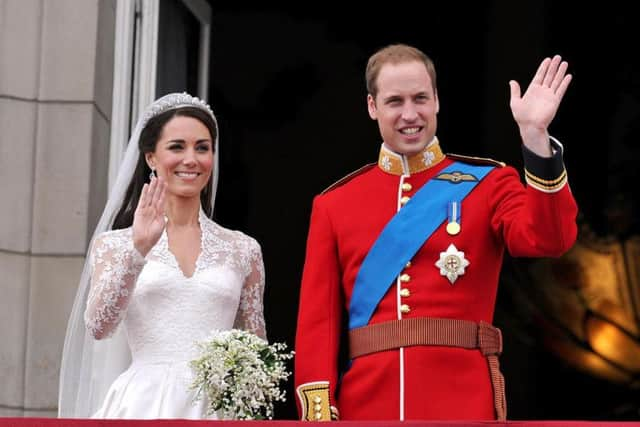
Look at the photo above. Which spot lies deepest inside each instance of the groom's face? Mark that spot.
(405, 106)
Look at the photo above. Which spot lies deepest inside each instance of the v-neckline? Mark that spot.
(175, 259)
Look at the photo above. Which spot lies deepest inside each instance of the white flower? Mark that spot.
(239, 375)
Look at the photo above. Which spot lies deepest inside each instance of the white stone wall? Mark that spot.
(56, 77)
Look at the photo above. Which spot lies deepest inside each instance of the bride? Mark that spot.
(160, 275)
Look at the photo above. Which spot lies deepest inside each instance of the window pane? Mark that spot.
(178, 49)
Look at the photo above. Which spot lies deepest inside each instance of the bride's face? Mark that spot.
(183, 156)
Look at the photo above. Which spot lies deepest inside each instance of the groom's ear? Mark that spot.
(371, 107)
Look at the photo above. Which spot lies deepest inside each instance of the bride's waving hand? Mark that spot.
(149, 219)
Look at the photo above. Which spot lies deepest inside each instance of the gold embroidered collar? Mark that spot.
(399, 164)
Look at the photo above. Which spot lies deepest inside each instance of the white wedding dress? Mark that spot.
(165, 313)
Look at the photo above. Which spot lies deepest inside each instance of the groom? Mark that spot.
(411, 249)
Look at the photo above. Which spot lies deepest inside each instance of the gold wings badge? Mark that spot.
(456, 177)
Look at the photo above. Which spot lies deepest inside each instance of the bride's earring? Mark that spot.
(152, 174)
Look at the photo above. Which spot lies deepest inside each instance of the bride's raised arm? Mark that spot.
(115, 266)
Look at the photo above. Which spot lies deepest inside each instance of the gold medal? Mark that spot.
(453, 228)
(453, 218)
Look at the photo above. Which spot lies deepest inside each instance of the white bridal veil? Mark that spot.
(89, 366)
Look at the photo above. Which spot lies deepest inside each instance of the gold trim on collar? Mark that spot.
(398, 164)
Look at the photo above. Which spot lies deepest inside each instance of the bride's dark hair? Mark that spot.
(147, 144)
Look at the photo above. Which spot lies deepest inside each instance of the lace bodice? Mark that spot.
(164, 311)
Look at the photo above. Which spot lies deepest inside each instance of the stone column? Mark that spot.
(56, 77)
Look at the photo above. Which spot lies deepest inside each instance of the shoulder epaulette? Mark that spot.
(348, 178)
(476, 160)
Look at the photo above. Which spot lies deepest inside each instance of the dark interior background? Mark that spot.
(287, 86)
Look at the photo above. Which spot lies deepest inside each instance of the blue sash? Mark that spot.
(405, 233)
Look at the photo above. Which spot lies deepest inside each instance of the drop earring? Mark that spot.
(152, 174)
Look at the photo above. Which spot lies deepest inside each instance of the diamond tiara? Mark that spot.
(173, 101)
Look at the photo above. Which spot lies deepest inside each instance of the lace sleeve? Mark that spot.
(250, 311)
(115, 266)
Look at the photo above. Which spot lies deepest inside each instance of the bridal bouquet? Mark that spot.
(239, 375)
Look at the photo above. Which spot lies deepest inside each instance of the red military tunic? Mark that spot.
(419, 382)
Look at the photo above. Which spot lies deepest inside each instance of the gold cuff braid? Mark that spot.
(314, 401)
